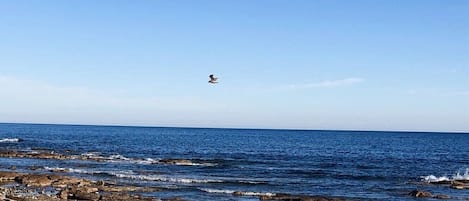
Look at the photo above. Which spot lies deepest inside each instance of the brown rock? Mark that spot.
(420, 194)
(441, 196)
(63, 194)
(9, 176)
(237, 193)
(459, 185)
(34, 180)
(83, 193)
(79, 195)
(35, 167)
(124, 197)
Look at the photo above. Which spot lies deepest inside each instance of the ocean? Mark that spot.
(212, 163)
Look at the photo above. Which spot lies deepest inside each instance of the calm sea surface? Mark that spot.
(354, 165)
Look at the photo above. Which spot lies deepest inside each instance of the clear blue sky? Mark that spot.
(371, 65)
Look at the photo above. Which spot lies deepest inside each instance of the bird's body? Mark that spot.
(213, 79)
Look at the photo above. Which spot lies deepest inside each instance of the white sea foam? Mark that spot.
(190, 163)
(209, 190)
(464, 176)
(10, 140)
(246, 193)
(118, 157)
(84, 171)
(148, 161)
(56, 169)
(166, 179)
(91, 154)
(457, 176)
(433, 178)
(72, 170)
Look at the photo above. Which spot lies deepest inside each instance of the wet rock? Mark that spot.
(12, 167)
(441, 196)
(35, 167)
(459, 185)
(237, 193)
(63, 194)
(34, 180)
(124, 197)
(176, 161)
(287, 197)
(66, 188)
(420, 194)
(79, 195)
(9, 176)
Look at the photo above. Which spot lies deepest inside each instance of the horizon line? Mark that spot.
(237, 128)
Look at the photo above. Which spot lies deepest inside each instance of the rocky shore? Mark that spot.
(23, 186)
(16, 186)
(54, 185)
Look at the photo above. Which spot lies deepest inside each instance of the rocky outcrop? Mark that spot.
(460, 185)
(36, 154)
(420, 194)
(31, 188)
(426, 194)
(9, 176)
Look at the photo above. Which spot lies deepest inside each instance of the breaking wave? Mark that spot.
(455, 177)
(167, 179)
(10, 140)
(121, 158)
(245, 193)
(158, 178)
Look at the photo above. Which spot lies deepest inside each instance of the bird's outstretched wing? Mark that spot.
(213, 79)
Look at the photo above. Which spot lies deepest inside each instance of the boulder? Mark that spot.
(459, 185)
(63, 194)
(420, 194)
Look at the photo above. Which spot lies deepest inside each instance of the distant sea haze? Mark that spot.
(244, 164)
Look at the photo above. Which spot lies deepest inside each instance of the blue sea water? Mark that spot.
(355, 165)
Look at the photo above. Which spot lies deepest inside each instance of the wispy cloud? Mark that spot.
(325, 84)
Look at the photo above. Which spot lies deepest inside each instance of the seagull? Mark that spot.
(213, 80)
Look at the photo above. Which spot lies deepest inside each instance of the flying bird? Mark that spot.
(213, 79)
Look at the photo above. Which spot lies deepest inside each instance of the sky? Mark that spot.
(302, 64)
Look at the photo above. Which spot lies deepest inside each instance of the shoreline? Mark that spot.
(16, 186)
(55, 185)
